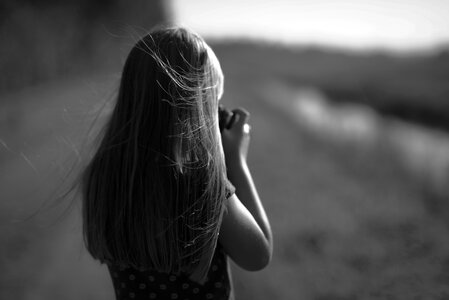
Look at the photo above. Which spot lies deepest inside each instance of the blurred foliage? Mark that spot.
(41, 40)
(413, 87)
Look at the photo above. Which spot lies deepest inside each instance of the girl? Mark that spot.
(158, 207)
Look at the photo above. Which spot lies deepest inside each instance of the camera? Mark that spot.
(225, 117)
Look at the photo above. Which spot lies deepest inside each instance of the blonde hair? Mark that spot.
(153, 194)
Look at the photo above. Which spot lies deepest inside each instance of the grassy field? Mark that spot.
(349, 221)
(413, 87)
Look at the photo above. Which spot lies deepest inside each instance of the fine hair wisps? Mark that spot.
(154, 191)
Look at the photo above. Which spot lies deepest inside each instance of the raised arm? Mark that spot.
(245, 231)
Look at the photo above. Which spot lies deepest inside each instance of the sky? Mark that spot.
(398, 25)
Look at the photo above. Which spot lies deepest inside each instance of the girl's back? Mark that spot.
(131, 283)
(156, 196)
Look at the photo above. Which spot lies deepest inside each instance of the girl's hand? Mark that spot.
(235, 139)
(245, 232)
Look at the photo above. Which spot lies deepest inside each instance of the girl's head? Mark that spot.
(153, 193)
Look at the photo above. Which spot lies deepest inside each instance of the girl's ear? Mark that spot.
(220, 87)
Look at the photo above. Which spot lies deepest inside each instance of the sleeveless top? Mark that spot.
(131, 283)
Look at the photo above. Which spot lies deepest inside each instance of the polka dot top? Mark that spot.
(131, 283)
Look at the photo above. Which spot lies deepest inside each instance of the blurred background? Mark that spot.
(349, 105)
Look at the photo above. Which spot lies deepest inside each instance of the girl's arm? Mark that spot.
(245, 232)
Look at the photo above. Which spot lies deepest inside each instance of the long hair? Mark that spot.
(154, 191)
